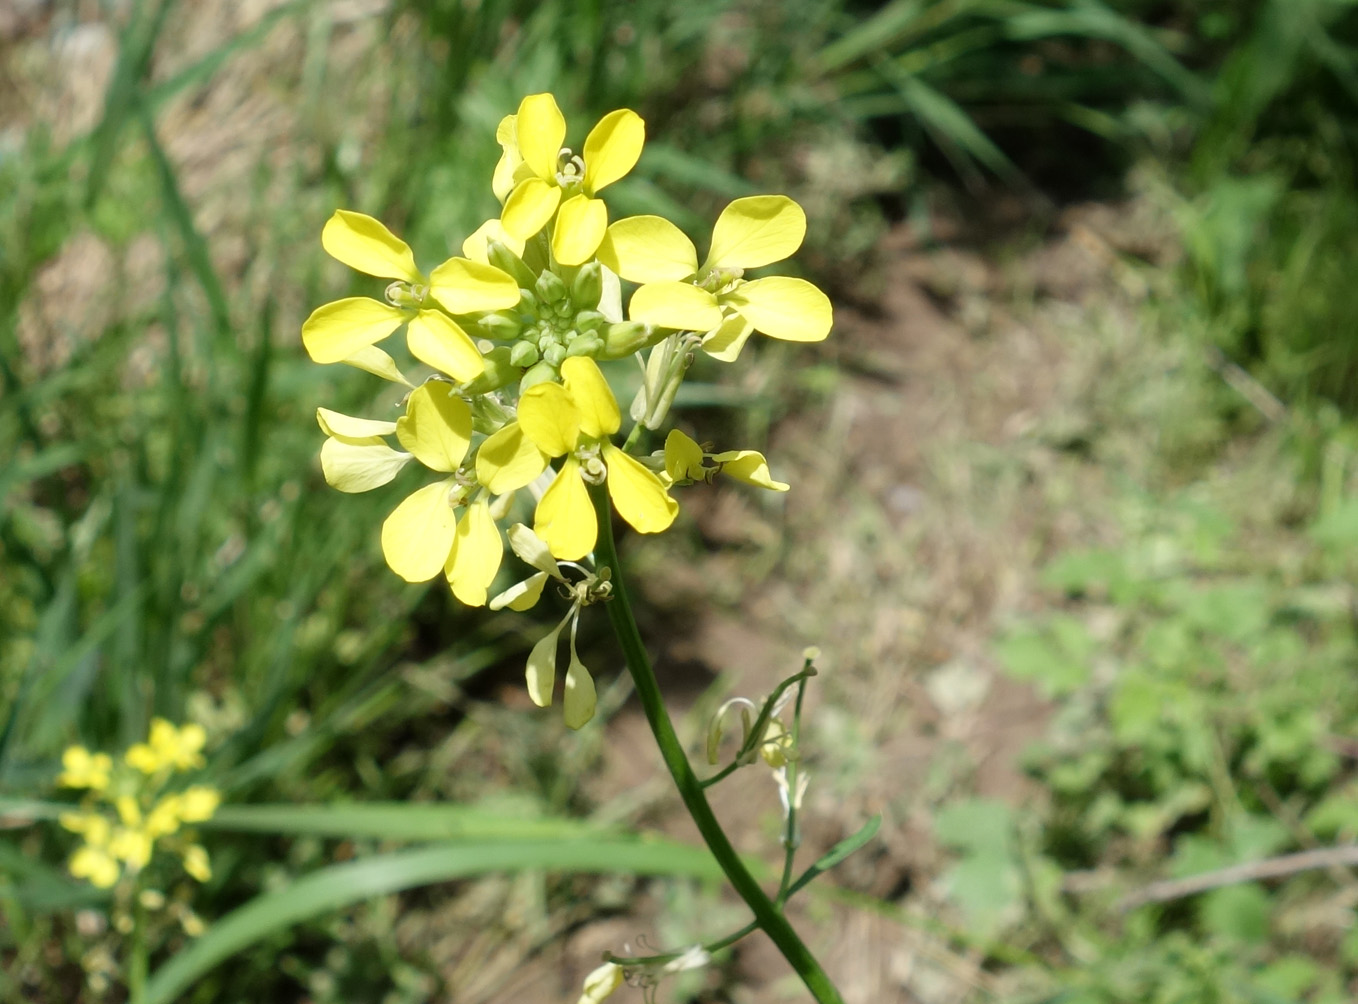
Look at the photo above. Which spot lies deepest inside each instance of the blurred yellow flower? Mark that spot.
(83, 769)
(685, 462)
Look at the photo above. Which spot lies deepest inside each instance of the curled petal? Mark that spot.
(648, 249)
(462, 286)
(364, 244)
(506, 134)
(437, 340)
(332, 423)
(638, 494)
(580, 225)
(336, 332)
(613, 148)
(592, 396)
(725, 341)
(549, 418)
(533, 550)
(750, 467)
(508, 460)
(474, 247)
(565, 518)
(756, 231)
(683, 457)
(791, 309)
(676, 305)
(418, 535)
(529, 206)
(437, 427)
(359, 465)
(540, 129)
(477, 553)
(522, 595)
(373, 360)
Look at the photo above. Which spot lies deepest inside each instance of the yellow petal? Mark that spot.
(373, 360)
(676, 305)
(580, 225)
(363, 243)
(683, 457)
(541, 669)
(356, 466)
(790, 309)
(750, 467)
(565, 518)
(613, 148)
(437, 426)
(637, 493)
(477, 553)
(337, 331)
(725, 341)
(540, 129)
(502, 183)
(475, 246)
(522, 595)
(529, 207)
(592, 396)
(577, 705)
(437, 340)
(533, 550)
(199, 803)
(549, 418)
(418, 535)
(196, 862)
(333, 423)
(648, 249)
(601, 983)
(756, 231)
(508, 460)
(463, 286)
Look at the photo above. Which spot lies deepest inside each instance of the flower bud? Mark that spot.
(507, 261)
(543, 372)
(624, 338)
(500, 325)
(550, 288)
(588, 286)
(554, 353)
(524, 354)
(589, 320)
(585, 345)
(499, 371)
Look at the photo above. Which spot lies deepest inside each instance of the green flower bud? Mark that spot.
(624, 338)
(507, 261)
(528, 305)
(550, 288)
(563, 310)
(585, 345)
(589, 320)
(554, 353)
(498, 373)
(500, 325)
(543, 372)
(524, 354)
(588, 286)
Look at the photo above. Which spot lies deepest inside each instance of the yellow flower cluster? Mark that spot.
(513, 329)
(128, 812)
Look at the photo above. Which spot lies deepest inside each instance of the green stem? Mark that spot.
(769, 918)
(137, 964)
(791, 840)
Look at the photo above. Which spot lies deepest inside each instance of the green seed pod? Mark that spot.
(624, 338)
(550, 288)
(554, 353)
(500, 325)
(589, 320)
(585, 345)
(588, 286)
(498, 373)
(543, 372)
(524, 354)
(507, 261)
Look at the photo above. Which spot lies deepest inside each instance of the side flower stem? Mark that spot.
(767, 916)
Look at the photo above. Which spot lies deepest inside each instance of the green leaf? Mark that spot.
(1055, 656)
(1239, 912)
(838, 853)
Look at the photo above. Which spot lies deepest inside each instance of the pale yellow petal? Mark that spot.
(579, 699)
(365, 244)
(475, 247)
(580, 225)
(726, 341)
(541, 669)
(549, 418)
(683, 457)
(541, 130)
(613, 148)
(648, 249)
(508, 460)
(436, 340)
(196, 862)
(477, 553)
(756, 231)
(462, 286)
(533, 549)
(592, 396)
(359, 466)
(565, 518)
(676, 305)
(780, 307)
(418, 535)
(637, 492)
(373, 360)
(522, 595)
(529, 206)
(333, 423)
(502, 182)
(437, 426)
(336, 331)
(750, 467)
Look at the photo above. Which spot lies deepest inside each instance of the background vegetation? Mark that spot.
(167, 546)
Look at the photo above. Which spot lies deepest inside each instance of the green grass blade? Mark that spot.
(399, 821)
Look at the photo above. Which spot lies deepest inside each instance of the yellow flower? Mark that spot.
(575, 419)
(168, 747)
(196, 862)
(601, 983)
(95, 864)
(347, 330)
(685, 462)
(83, 769)
(713, 298)
(537, 179)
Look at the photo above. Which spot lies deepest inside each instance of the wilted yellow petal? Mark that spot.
(522, 595)
(756, 231)
(750, 467)
(580, 225)
(363, 243)
(355, 466)
(502, 182)
(463, 286)
(683, 457)
(676, 305)
(529, 206)
(648, 249)
(577, 704)
(725, 341)
(541, 129)
(475, 247)
(373, 360)
(437, 426)
(333, 423)
(418, 535)
(601, 983)
(335, 332)
(508, 460)
(637, 493)
(477, 553)
(565, 518)
(592, 396)
(549, 418)
(541, 669)
(613, 148)
(790, 309)
(533, 550)
(437, 340)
